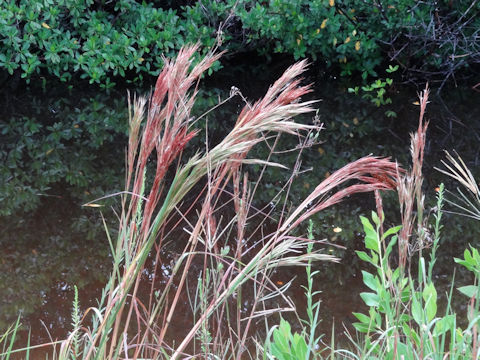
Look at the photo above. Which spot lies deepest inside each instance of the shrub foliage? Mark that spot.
(101, 40)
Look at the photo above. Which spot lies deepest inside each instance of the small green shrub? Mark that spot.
(287, 346)
(376, 92)
(319, 29)
(403, 318)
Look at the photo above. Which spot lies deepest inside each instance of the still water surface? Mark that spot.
(46, 251)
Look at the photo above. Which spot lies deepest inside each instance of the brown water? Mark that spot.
(44, 253)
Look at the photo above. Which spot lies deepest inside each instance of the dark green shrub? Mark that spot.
(430, 39)
(317, 28)
(97, 42)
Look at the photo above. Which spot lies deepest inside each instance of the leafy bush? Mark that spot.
(99, 41)
(429, 38)
(320, 29)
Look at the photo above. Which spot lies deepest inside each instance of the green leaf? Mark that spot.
(469, 290)
(411, 333)
(400, 351)
(371, 236)
(391, 69)
(471, 260)
(299, 347)
(370, 280)
(375, 218)
(370, 299)
(391, 231)
(362, 327)
(430, 298)
(444, 324)
(405, 294)
(362, 318)
(390, 114)
(417, 311)
(363, 256)
(371, 242)
(390, 246)
(367, 226)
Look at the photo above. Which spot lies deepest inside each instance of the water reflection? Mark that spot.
(57, 244)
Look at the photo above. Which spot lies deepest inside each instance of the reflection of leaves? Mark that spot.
(74, 145)
(58, 154)
(70, 152)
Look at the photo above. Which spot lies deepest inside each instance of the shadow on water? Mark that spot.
(69, 150)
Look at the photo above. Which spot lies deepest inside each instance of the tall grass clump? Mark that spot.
(223, 256)
(403, 320)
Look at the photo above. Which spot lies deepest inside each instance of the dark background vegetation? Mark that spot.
(102, 41)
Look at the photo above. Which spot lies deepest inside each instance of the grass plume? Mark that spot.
(125, 325)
